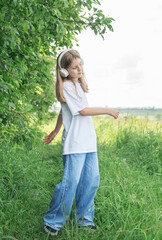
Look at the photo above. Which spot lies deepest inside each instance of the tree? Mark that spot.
(31, 33)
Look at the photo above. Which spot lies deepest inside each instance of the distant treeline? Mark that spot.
(141, 111)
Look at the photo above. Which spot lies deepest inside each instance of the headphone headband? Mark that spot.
(60, 57)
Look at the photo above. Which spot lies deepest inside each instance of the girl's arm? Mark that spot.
(99, 111)
(53, 134)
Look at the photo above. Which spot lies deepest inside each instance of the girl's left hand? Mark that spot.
(114, 113)
(49, 138)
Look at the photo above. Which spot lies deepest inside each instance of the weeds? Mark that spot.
(127, 204)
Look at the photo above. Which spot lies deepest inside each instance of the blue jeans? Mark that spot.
(81, 177)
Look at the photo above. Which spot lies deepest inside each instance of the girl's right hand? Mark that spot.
(49, 138)
(114, 113)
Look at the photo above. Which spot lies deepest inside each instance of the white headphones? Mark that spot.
(63, 71)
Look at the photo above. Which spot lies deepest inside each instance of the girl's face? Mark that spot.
(75, 69)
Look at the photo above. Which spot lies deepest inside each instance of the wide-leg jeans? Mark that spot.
(80, 180)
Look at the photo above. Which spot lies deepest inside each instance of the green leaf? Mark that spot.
(71, 2)
(13, 43)
(11, 104)
(41, 25)
(2, 15)
(33, 28)
(21, 122)
(30, 10)
(66, 3)
(28, 108)
(26, 26)
(15, 31)
(4, 86)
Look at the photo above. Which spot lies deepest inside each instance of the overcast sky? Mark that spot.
(125, 70)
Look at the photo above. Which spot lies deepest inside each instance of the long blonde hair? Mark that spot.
(66, 61)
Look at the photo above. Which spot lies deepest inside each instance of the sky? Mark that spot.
(125, 69)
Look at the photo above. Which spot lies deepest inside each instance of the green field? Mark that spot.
(128, 201)
(146, 113)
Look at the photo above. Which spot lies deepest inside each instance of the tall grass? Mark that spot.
(127, 204)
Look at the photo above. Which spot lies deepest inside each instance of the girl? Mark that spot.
(81, 172)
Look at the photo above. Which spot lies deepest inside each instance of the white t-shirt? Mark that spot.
(79, 135)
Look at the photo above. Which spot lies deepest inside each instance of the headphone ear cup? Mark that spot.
(64, 72)
(82, 61)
